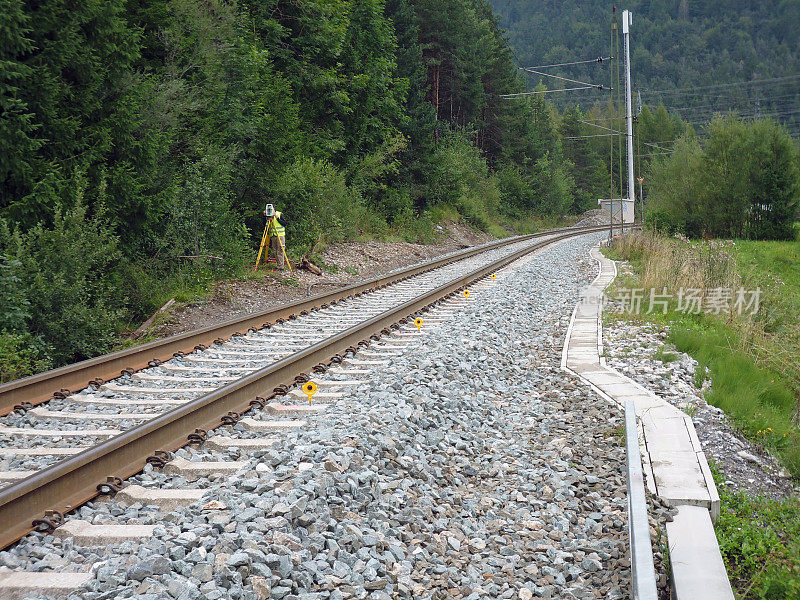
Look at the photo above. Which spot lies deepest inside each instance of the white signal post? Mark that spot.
(627, 21)
(641, 195)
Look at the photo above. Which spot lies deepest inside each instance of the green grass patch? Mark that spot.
(761, 402)
(618, 433)
(775, 268)
(760, 542)
(665, 356)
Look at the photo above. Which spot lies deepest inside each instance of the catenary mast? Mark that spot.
(627, 20)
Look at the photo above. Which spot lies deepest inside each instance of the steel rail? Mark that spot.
(75, 480)
(42, 387)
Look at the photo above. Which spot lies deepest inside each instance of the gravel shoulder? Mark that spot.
(236, 298)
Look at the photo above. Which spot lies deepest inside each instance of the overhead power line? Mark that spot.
(617, 132)
(521, 94)
(577, 62)
(599, 87)
(723, 85)
(584, 137)
(746, 87)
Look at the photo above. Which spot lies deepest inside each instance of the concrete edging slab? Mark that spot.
(671, 449)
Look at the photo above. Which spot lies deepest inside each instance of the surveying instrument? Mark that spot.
(270, 231)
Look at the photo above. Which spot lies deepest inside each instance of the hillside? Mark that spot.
(141, 139)
(688, 54)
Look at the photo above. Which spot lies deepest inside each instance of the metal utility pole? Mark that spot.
(627, 21)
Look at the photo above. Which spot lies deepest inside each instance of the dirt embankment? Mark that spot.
(352, 261)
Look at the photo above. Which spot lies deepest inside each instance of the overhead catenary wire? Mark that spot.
(568, 64)
(567, 79)
(584, 137)
(522, 94)
(619, 132)
(718, 100)
(742, 87)
(693, 89)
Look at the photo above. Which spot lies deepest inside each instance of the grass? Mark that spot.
(752, 363)
(665, 355)
(751, 360)
(760, 542)
(618, 433)
(757, 399)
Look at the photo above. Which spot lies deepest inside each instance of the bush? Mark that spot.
(13, 303)
(21, 355)
(70, 279)
(320, 208)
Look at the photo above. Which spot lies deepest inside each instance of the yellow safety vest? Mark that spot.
(277, 228)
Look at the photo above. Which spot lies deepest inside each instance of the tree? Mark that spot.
(744, 183)
(589, 170)
(18, 141)
(676, 189)
(775, 199)
(76, 63)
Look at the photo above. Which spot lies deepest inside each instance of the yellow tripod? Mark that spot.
(269, 231)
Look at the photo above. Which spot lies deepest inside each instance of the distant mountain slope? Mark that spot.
(679, 49)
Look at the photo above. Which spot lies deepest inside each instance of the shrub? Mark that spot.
(319, 206)
(13, 303)
(70, 277)
(21, 355)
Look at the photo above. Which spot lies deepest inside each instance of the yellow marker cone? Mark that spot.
(466, 294)
(494, 276)
(309, 389)
(418, 322)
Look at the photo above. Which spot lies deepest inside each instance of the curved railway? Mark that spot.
(143, 402)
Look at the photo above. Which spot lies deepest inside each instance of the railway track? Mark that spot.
(57, 383)
(121, 424)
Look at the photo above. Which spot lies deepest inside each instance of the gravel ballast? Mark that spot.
(471, 466)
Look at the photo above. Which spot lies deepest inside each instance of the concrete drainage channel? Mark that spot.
(150, 439)
(675, 465)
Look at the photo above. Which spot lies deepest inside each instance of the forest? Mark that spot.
(716, 97)
(140, 139)
(697, 57)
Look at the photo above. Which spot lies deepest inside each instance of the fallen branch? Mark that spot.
(306, 264)
(211, 256)
(149, 321)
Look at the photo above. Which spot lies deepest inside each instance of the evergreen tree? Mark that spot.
(18, 138)
(589, 169)
(79, 108)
